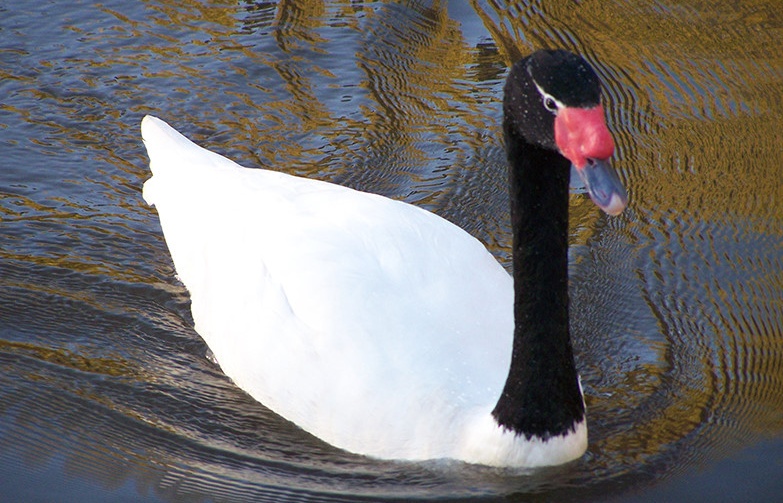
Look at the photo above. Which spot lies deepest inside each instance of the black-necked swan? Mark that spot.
(382, 328)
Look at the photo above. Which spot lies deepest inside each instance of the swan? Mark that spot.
(382, 328)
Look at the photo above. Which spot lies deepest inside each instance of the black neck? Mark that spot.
(542, 395)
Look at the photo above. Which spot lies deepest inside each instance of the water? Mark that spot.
(105, 390)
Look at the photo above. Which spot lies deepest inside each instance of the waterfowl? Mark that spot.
(382, 328)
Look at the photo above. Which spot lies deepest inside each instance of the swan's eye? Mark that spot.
(550, 104)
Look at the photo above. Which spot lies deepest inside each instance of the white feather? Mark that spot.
(375, 325)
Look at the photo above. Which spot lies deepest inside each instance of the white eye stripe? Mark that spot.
(550, 102)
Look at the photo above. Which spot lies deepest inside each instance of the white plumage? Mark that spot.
(375, 325)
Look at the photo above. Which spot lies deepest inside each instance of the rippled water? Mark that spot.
(105, 391)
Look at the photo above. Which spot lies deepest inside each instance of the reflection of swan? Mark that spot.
(380, 327)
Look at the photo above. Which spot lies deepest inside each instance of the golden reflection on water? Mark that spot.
(681, 344)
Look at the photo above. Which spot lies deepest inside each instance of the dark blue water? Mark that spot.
(677, 306)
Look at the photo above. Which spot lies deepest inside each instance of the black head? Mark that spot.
(540, 84)
(552, 105)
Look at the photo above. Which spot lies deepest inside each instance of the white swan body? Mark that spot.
(375, 325)
(382, 328)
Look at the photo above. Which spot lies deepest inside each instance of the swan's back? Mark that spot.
(373, 324)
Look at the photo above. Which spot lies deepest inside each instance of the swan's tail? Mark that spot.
(171, 154)
(162, 142)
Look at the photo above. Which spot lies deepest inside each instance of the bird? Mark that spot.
(379, 327)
